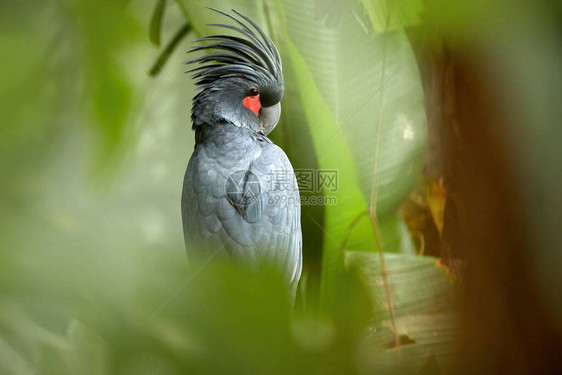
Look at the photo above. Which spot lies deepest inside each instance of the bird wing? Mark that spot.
(235, 205)
(282, 211)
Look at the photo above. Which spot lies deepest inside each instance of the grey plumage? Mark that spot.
(240, 197)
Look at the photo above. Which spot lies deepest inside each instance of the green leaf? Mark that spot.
(156, 22)
(351, 70)
(350, 202)
(418, 285)
(390, 15)
(86, 350)
(170, 47)
(111, 88)
(422, 294)
(199, 16)
(12, 362)
(342, 74)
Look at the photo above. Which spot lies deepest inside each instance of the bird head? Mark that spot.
(241, 82)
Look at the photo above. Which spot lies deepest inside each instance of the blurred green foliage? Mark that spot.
(390, 15)
(94, 277)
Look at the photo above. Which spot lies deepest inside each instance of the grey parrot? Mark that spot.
(240, 197)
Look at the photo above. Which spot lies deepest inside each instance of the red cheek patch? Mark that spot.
(252, 103)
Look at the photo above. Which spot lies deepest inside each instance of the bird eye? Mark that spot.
(254, 91)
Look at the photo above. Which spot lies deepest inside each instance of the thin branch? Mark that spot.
(163, 58)
(350, 229)
(374, 191)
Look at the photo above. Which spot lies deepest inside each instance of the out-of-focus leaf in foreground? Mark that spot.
(112, 91)
(206, 319)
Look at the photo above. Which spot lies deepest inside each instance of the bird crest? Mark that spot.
(252, 56)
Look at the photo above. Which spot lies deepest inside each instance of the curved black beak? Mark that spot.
(269, 117)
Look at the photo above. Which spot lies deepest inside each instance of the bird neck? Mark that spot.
(212, 108)
(227, 135)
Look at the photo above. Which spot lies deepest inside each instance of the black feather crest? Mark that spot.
(254, 57)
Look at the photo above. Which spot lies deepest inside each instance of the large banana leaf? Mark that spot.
(422, 294)
(353, 70)
(343, 74)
